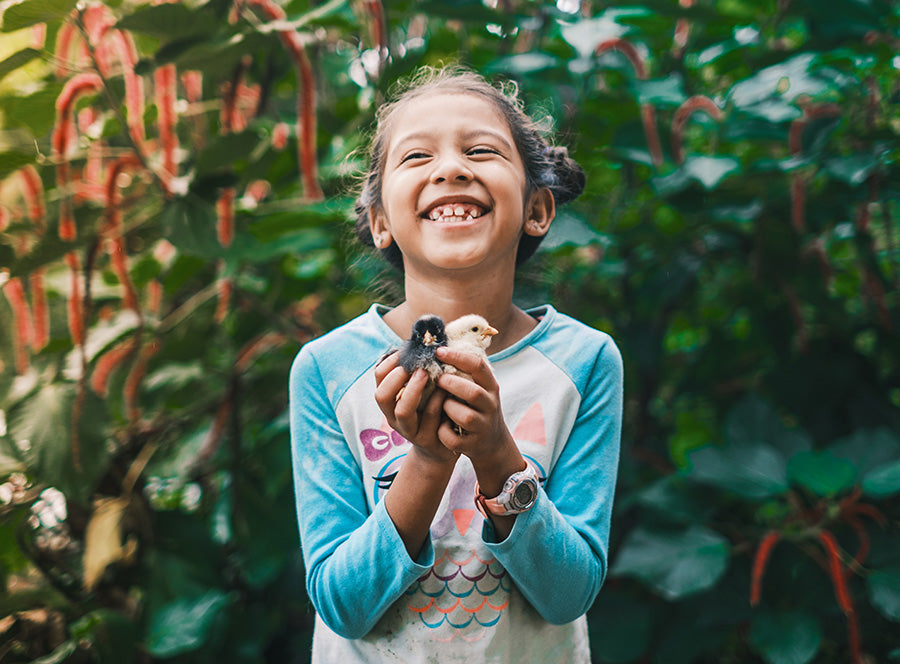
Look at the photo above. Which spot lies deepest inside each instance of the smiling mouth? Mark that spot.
(455, 213)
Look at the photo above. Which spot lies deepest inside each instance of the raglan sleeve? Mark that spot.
(557, 552)
(356, 563)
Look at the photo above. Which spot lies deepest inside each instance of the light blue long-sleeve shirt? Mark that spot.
(466, 597)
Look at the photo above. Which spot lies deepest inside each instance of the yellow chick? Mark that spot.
(470, 334)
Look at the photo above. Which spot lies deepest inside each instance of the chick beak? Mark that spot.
(489, 332)
(428, 339)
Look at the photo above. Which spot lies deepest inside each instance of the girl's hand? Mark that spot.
(474, 407)
(418, 427)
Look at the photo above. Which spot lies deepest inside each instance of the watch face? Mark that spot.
(524, 494)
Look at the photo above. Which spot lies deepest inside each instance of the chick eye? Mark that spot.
(475, 329)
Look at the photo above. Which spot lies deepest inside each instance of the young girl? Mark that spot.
(473, 529)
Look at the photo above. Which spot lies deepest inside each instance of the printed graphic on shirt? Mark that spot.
(466, 591)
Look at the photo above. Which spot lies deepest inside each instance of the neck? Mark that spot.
(451, 298)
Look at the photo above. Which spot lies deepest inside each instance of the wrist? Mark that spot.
(494, 468)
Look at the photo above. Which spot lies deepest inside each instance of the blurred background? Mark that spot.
(175, 222)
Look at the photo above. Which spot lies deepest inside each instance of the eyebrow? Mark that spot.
(466, 136)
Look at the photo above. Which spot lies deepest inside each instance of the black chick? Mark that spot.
(419, 352)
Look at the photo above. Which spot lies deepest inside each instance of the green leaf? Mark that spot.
(184, 624)
(568, 229)
(707, 171)
(753, 470)
(883, 587)
(821, 472)
(42, 428)
(190, 224)
(111, 634)
(788, 79)
(661, 92)
(17, 59)
(786, 637)
(868, 449)
(59, 655)
(853, 170)
(586, 34)
(524, 64)
(29, 12)
(168, 22)
(883, 481)
(625, 627)
(10, 162)
(674, 563)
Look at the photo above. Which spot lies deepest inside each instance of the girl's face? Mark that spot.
(453, 187)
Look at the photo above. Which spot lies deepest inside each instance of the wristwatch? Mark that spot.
(518, 494)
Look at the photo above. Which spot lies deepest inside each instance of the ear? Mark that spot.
(381, 234)
(539, 212)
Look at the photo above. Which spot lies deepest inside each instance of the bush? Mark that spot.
(174, 219)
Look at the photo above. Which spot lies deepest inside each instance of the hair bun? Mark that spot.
(569, 178)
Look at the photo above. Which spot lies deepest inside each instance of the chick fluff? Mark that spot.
(418, 352)
(470, 334)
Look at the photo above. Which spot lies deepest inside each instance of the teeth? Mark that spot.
(455, 212)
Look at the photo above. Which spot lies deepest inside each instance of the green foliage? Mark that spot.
(738, 237)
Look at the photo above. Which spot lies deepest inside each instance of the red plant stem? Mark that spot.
(41, 313)
(378, 30)
(63, 48)
(63, 138)
(216, 430)
(154, 296)
(760, 561)
(648, 113)
(798, 203)
(164, 85)
(683, 114)
(15, 294)
(108, 362)
(256, 347)
(842, 593)
(135, 378)
(306, 103)
(225, 216)
(75, 305)
(117, 249)
(33, 192)
(223, 302)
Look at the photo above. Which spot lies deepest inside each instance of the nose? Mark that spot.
(451, 168)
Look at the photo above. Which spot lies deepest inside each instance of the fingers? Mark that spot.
(385, 365)
(477, 367)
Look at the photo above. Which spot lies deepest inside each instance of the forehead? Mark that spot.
(442, 112)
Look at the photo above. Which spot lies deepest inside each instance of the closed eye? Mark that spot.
(482, 150)
(412, 156)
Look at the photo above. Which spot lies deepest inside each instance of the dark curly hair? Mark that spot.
(546, 165)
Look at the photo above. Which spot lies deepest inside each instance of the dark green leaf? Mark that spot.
(884, 592)
(13, 161)
(567, 229)
(883, 481)
(752, 470)
(821, 473)
(17, 59)
(853, 170)
(111, 635)
(786, 637)
(674, 563)
(168, 21)
(184, 625)
(661, 92)
(625, 627)
(788, 79)
(29, 12)
(708, 171)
